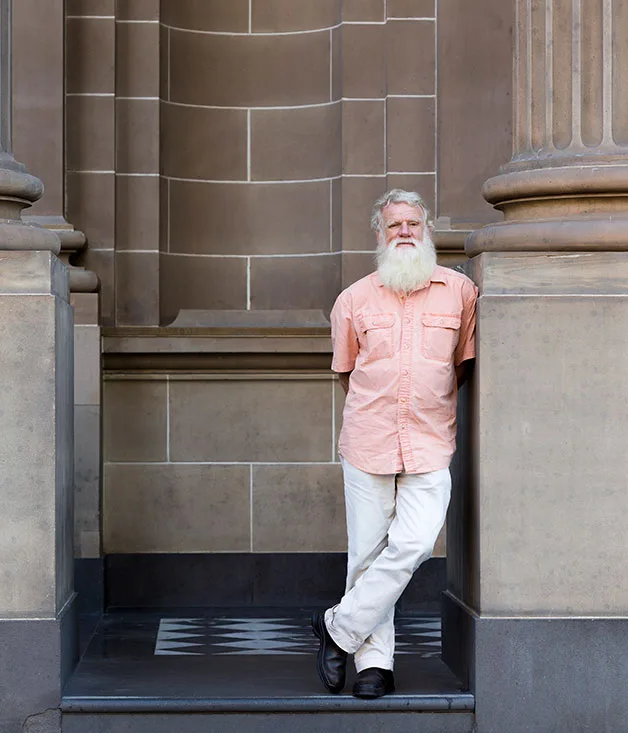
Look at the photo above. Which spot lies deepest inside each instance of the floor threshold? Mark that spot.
(244, 661)
(312, 704)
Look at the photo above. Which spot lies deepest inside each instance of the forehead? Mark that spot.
(394, 212)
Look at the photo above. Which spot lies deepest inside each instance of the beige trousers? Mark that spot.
(393, 521)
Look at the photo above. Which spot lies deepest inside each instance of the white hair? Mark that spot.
(396, 196)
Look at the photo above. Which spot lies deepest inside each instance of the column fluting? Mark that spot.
(566, 186)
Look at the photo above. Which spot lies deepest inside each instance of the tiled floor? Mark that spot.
(235, 659)
(283, 634)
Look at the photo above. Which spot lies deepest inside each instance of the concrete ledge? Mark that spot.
(202, 341)
(358, 722)
(455, 702)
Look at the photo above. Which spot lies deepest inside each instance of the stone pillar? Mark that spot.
(38, 109)
(536, 615)
(565, 187)
(36, 382)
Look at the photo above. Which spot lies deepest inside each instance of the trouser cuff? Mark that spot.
(365, 661)
(342, 640)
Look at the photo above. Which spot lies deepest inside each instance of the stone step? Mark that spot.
(249, 669)
(372, 721)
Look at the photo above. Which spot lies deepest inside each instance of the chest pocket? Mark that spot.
(378, 335)
(440, 336)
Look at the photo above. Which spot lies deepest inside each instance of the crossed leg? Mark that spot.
(392, 524)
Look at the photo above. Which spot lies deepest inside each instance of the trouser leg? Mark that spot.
(420, 509)
(370, 510)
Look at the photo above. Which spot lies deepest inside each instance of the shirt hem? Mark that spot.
(429, 469)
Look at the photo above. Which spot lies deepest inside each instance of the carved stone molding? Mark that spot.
(73, 242)
(18, 190)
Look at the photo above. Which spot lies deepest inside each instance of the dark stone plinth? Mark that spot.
(248, 579)
(546, 675)
(364, 722)
(37, 657)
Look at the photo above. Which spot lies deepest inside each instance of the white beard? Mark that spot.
(407, 268)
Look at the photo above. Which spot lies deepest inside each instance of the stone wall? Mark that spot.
(294, 117)
(224, 156)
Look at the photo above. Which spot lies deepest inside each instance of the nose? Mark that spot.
(405, 229)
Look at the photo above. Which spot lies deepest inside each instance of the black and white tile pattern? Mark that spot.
(286, 635)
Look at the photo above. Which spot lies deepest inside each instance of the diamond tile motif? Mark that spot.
(228, 635)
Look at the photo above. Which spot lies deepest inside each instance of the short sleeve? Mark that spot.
(343, 335)
(466, 341)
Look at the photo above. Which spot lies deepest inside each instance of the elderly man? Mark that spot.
(403, 339)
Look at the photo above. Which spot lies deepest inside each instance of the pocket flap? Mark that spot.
(441, 320)
(380, 320)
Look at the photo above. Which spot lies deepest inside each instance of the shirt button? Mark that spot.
(405, 372)
(406, 346)
(403, 399)
(403, 427)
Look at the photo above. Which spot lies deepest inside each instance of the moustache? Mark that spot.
(401, 240)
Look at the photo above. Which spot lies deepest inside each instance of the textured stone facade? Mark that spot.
(225, 156)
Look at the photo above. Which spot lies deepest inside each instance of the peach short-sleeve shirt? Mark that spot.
(400, 410)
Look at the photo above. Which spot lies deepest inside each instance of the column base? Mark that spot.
(38, 656)
(579, 206)
(540, 674)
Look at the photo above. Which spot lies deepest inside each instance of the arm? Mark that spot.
(464, 371)
(344, 339)
(464, 356)
(343, 378)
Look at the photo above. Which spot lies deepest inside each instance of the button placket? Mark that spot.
(404, 383)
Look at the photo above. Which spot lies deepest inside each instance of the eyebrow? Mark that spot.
(396, 222)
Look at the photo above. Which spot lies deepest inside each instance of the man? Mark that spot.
(403, 340)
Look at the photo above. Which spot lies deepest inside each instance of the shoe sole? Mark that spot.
(373, 696)
(316, 619)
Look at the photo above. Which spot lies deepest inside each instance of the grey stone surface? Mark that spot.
(458, 550)
(550, 498)
(33, 272)
(87, 383)
(47, 722)
(87, 481)
(64, 452)
(36, 397)
(552, 273)
(271, 723)
(562, 675)
(37, 657)
(27, 455)
(250, 319)
(37, 624)
(458, 640)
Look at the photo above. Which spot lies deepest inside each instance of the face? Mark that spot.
(402, 222)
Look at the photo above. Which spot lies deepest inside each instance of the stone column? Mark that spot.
(566, 187)
(38, 109)
(36, 378)
(536, 615)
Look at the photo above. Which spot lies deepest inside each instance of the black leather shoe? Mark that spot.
(374, 682)
(331, 660)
